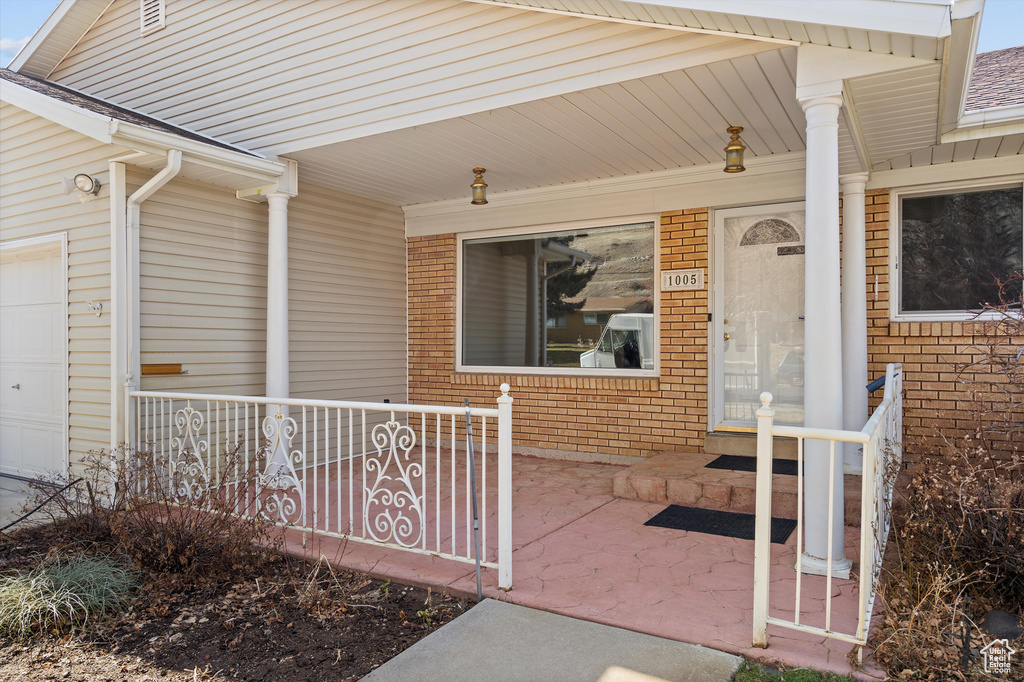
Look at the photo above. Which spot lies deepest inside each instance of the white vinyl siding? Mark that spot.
(36, 154)
(204, 267)
(349, 69)
(203, 272)
(347, 279)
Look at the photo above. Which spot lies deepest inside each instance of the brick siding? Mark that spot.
(642, 416)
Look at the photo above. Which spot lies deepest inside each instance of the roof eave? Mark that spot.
(31, 60)
(958, 63)
(108, 130)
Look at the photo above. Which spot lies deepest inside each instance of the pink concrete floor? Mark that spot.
(579, 551)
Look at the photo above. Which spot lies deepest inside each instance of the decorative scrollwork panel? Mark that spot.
(281, 495)
(392, 510)
(187, 467)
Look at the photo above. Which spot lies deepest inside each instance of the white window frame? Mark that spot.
(896, 244)
(527, 230)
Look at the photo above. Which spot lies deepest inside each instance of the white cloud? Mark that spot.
(8, 45)
(9, 48)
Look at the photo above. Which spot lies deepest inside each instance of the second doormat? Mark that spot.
(714, 522)
(787, 467)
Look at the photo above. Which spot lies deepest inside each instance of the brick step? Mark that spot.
(735, 443)
(682, 478)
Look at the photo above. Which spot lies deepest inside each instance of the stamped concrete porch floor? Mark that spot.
(580, 552)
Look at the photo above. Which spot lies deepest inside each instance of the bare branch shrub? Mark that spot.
(175, 521)
(994, 373)
(163, 517)
(957, 548)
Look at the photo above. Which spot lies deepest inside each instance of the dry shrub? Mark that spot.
(78, 507)
(993, 372)
(957, 549)
(162, 515)
(173, 522)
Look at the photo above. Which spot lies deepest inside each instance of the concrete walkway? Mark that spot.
(499, 642)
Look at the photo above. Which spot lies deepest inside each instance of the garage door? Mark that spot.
(33, 324)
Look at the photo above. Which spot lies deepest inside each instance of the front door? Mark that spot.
(757, 325)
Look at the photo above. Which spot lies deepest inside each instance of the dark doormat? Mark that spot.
(714, 522)
(787, 467)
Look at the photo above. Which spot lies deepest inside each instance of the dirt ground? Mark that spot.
(294, 622)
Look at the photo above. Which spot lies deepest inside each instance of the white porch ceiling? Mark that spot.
(657, 123)
(663, 122)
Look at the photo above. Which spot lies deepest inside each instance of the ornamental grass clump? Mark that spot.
(63, 595)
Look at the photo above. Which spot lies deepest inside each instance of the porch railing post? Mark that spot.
(505, 488)
(763, 519)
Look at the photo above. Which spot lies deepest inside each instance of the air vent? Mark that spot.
(151, 15)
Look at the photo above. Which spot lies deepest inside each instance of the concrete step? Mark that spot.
(682, 478)
(735, 443)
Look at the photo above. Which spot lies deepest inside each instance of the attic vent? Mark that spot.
(151, 15)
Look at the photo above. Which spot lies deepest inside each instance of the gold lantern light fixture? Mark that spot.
(479, 187)
(734, 151)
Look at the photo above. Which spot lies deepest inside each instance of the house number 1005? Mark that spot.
(682, 280)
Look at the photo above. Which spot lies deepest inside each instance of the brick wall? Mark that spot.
(643, 416)
(618, 416)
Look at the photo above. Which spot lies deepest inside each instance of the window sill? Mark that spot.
(573, 381)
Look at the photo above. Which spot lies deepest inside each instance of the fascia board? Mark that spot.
(1008, 120)
(918, 18)
(24, 61)
(958, 65)
(147, 139)
(87, 123)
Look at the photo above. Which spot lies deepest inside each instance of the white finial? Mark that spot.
(504, 389)
(766, 399)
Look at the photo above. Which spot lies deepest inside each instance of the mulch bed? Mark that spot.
(294, 621)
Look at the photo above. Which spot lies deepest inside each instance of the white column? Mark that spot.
(823, 376)
(277, 324)
(855, 313)
(277, 296)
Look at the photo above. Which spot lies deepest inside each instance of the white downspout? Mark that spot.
(128, 343)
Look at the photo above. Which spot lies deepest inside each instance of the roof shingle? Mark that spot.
(997, 80)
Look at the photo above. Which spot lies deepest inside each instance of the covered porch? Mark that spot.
(580, 551)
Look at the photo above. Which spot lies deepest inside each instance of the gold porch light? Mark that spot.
(734, 151)
(479, 187)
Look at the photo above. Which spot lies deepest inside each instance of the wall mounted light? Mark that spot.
(479, 187)
(734, 151)
(82, 182)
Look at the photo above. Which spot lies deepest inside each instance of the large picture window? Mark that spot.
(530, 300)
(954, 246)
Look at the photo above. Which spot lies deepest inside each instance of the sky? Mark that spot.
(1002, 24)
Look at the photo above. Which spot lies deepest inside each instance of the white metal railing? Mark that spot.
(882, 440)
(381, 473)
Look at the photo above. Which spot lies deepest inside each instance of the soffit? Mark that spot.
(897, 112)
(957, 152)
(664, 122)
